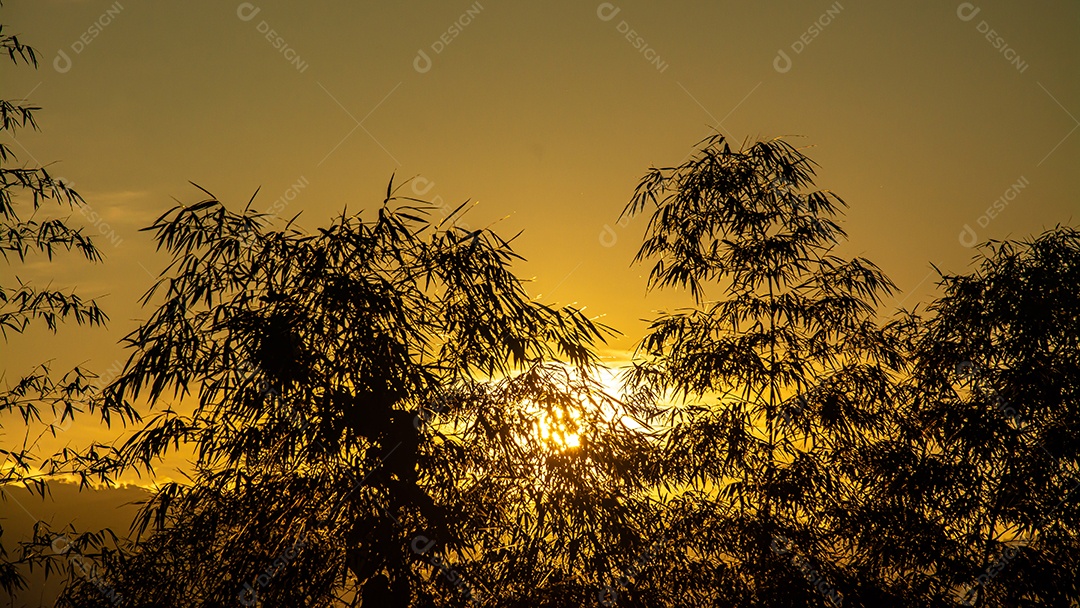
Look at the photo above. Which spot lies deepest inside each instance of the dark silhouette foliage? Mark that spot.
(973, 497)
(379, 415)
(38, 400)
(363, 404)
(781, 378)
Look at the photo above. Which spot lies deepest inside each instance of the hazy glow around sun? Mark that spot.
(560, 426)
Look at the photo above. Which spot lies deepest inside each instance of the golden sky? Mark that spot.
(923, 115)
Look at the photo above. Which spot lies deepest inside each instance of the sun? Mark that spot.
(559, 428)
(562, 426)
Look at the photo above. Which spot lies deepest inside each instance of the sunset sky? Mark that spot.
(940, 123)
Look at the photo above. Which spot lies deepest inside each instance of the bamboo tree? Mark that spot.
(43, 402)
(776, 379)
(975, 497)
(364, 403)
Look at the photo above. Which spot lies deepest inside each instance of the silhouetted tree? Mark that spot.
(379, 415)
(375, 419)
(42, 401)
(776, 381)
(973, 499)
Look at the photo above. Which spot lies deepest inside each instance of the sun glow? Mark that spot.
(563, 426)
(559, 428)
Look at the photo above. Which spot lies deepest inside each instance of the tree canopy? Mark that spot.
(377, 413)
(39, 400)
(367, 401)
(784, 376)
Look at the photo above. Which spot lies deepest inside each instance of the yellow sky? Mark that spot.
(923, 115)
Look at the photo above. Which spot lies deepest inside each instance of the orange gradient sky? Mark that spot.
(923, 116)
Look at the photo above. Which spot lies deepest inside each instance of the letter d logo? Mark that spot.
(968, 238)
(608, 238)
(607, 11)
(62, 63)
(607, 596)
(61, 544)
(967, 11)
(419, 190)
(782, 63)
(246, 595)
(422, 63)
(247, 11)
(418, 544)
